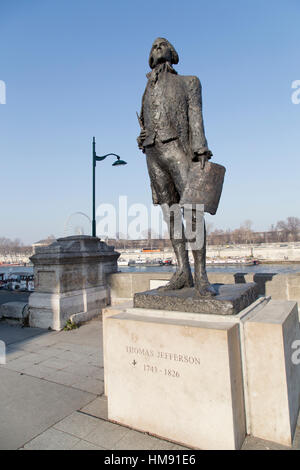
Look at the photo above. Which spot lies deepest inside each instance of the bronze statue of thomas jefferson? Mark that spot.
(172, 136)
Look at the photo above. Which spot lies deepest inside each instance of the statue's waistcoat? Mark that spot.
(165, 110)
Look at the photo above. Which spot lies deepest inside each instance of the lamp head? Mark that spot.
(119, 162)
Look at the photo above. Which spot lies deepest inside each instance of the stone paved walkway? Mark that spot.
(51, 390)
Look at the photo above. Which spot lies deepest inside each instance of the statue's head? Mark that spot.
(162, 51)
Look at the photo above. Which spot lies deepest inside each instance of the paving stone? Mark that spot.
(134, 440)
(12, 354)
(52, 439)
(80, 349)
(88, 334)
(178, 447)
(90, 385)
(86, 370)
(107, 434)
(78, 424)
(23, 362)
(97, 408)
(56, 363)
(37, 370)
(48, 340)
(165, 445)
(253, 443)
(30, 405)
(62, 377)
(11, 334)
(50, 351)
(296, 442)
(83, 445)
(95, 360)
(70, 356)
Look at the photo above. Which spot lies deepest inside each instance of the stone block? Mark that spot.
(14, 310)
(272, 371)
(106, 313)
(53, 310)
(70, 281)
(177, 379)
(268, 354)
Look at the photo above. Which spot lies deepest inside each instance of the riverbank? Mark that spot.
(264, 252)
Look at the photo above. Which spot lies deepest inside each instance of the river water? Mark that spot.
(16, 269)
(260, 268)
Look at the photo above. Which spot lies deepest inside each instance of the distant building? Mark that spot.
(42, 243)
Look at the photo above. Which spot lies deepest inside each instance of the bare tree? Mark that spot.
(246, 231)
(209, 226)
(290, 228)
(13, 250)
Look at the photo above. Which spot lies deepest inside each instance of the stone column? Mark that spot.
(70, 281)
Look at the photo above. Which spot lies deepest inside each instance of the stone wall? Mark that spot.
(278, 286)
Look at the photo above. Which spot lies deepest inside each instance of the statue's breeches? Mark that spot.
(168, 167)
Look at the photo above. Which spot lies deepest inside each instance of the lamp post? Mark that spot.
(118, 162)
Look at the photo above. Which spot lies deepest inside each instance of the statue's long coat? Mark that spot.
(172, 109)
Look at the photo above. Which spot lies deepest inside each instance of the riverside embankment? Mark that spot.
(265, 252)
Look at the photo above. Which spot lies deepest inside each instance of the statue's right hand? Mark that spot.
(141, 139)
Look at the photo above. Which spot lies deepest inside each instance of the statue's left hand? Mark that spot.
(202, 157)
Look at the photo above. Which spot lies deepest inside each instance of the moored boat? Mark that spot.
(19, 281)
(232, 262)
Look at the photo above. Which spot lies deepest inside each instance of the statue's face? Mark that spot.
(161, 52)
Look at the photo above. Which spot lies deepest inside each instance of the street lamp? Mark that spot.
(118, 162)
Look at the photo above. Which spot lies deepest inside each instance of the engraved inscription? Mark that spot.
(168, 356)
(167, 372)
(161, 356)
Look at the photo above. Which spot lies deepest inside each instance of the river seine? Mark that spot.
(260, 268)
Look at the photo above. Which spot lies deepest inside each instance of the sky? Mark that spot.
(74, 69)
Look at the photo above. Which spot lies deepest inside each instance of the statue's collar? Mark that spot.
(165, 67)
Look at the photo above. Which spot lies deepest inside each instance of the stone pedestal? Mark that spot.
(178, 380)
(230, 299)
(204, 380)
(70, 281)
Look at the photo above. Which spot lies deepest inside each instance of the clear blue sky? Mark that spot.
(76, 68)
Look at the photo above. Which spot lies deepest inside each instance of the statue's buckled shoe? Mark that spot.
(205, 290)
(179, 280)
